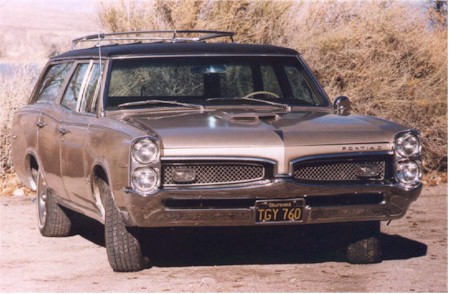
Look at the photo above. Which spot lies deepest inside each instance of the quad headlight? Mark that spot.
(409, 172)
(144, 179)
(145, 165)
(408, 145)
(408, 150)
(145, 151)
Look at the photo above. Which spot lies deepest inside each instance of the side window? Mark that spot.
(72, 94)
(52, 82)
(88, 102)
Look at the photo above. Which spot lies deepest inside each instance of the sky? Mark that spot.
(29, 27)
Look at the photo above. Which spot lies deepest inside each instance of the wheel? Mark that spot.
(123, 248)
(364, 246)
(53, 220)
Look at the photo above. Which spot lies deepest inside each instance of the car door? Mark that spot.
(79, 101)
(48, 124)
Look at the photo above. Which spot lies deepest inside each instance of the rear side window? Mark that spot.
(52, 82)
(73, 91)
(83, 88)
(88, 103)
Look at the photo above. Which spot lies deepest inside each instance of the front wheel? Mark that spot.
(53, 220)
(364, 246)
(123, 248)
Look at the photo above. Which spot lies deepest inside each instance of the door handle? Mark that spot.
(63, 131)
(40, 124)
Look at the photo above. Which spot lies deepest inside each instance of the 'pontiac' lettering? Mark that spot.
(361, 148)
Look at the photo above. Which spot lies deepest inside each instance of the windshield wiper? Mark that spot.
(287, 107)
(150, 102)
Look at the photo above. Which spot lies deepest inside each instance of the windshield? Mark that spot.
(198, 80)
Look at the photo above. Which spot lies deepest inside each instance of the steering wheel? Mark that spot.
(261, 92)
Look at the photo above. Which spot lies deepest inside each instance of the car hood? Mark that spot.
(240, 128)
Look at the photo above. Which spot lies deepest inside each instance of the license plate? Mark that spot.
(279, 211)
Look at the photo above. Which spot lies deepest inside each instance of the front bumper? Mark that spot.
(239, 210)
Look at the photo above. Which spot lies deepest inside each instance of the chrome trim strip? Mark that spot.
(183, 55)
(210, 186)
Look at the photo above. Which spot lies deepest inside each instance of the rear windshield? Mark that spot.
(198, 79)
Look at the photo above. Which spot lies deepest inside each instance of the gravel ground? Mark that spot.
(226, 260)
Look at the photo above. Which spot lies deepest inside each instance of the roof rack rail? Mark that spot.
(153, 36)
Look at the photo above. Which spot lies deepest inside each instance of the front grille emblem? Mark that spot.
(367, 171)
(183, 175)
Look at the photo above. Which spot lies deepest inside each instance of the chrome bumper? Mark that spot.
(153, 211)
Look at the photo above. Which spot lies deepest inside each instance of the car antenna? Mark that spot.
(99, 45)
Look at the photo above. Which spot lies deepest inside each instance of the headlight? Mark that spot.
(144, 179)
(408, 172)
(145, 151)
(408, 145)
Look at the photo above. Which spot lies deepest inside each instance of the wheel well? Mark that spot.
(33, 163)
(99, 173)
(33, 172)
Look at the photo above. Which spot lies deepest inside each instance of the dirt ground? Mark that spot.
(277, 259)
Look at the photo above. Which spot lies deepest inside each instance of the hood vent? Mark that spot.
(248, 117)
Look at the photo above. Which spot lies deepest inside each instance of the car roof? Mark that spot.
(186, 48)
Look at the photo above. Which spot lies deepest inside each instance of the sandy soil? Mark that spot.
(226, 260)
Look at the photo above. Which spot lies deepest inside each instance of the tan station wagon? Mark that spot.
(168, 129)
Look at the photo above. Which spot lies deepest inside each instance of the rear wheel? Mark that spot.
(364, 246)
(123, 248)
(53, 220)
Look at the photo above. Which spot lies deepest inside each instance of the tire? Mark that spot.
(53, 221)
(123, 248)
(365, 245)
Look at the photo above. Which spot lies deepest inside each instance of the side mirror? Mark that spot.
(342, 105)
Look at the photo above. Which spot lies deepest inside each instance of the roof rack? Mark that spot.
(174, 36)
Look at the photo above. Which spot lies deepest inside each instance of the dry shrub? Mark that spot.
(15, 89)
(253, 21)
(387, 58)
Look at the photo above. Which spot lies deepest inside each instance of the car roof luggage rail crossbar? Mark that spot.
(169, 36)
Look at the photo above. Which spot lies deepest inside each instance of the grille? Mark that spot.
(336, 171)
(216, 173)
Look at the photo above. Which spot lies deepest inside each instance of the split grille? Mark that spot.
(214, 173)
(326, 170)
(336, 171)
